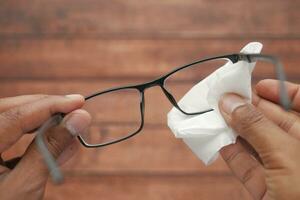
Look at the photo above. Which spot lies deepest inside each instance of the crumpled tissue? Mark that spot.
(207, 133)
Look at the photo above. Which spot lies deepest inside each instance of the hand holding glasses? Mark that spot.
(174, 85)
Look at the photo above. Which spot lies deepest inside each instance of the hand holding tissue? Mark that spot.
(207, 133)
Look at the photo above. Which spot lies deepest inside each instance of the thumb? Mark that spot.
(264, 135)
(58, 139)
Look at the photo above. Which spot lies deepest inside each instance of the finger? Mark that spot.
(11, 102)
(268, 89)
(58, 140)
(288, 121)
(69, 152)
(262, 134)
(3, 169)
(85, 122)
(17, 121)
(249, 149)
(245, 167)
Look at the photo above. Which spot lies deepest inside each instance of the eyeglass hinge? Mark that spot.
(244, 57)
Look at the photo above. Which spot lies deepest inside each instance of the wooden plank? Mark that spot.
(149, 187)
(58, 48)
(189, 18)
(154, 150)
(103, 59)
(153, 97)
(104, 114)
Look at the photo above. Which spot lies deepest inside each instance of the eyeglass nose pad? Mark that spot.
(170, 97)
(142, 106)
(173, 101)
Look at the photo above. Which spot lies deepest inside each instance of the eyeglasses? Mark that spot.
(106, 106)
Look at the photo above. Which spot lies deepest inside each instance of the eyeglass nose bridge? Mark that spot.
(160, 83)
(169, 96)
(173, 101)
(157, 82)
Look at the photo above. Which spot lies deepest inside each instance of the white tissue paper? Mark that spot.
(206, 134)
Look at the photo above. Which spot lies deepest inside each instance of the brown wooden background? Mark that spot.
(81, 46)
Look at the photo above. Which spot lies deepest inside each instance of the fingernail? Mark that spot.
(230, 102)
(78, 122)
(74, 96)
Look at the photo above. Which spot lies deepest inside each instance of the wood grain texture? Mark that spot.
(153, 151)
(189, 18)
(102, 114)
(120, 59)
(84, 46)
(153, 96)
(159, 187)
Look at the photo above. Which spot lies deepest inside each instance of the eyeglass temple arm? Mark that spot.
(53, 168)
(284, 98)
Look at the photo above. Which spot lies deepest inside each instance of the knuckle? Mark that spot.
(57, 139)
(12, 115)
(288, 122)
(247, 117)
(277, 158)
(233, 156)
(249, 173)
(18, 117)
(54, 146)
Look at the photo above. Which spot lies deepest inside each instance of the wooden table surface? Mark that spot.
(82, 46)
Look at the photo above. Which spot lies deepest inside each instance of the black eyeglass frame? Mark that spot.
(234, 58)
